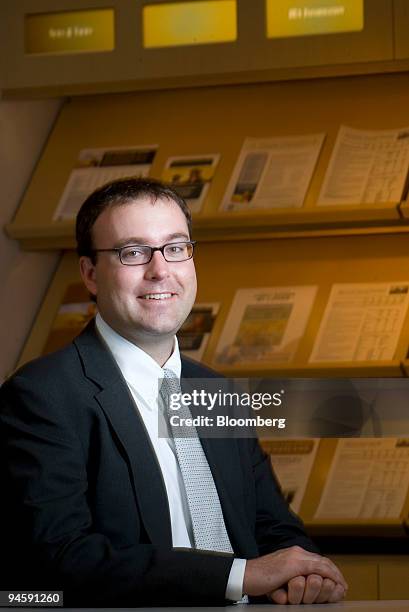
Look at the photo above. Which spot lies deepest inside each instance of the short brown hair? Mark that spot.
(118, 193)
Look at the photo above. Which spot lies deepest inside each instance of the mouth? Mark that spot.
(157, 296)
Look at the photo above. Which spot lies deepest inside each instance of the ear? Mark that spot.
(88, 274)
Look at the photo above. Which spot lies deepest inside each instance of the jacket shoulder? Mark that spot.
(50, 363)
(61, 363)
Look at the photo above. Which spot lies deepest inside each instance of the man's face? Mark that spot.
(123, 291)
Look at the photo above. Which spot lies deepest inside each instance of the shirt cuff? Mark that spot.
(234, 589)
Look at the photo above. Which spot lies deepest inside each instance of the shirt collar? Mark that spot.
(138, 368)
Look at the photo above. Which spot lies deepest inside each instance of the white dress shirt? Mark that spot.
(142, 373)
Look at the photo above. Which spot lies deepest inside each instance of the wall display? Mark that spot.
(70, 31)
(228, 41)
(307, 17)
(366, 167)
(96, 167)
(195, 332)
(361, 322)
(189, 23)
(368, 478)
(292, 462)
(273, 172)
(265, 324)
(191, 176)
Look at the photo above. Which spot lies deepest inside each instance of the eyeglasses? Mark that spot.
(139, 254)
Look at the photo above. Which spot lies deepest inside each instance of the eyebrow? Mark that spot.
(142, 241)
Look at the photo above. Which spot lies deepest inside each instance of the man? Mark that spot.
(98, 505)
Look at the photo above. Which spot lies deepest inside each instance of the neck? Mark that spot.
(157, 351)
(160, 348)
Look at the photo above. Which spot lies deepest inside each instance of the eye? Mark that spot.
(176, 248)
(133, 252)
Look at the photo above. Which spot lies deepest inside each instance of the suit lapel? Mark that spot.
(116, 401)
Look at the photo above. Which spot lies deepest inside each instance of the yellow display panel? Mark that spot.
(307, 17)
(189, 23)
(70, 32)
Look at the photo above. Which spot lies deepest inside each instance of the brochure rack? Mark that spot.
(311, 245)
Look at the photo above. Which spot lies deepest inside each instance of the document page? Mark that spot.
(368, 478)
(366, 167)
(362, 322)
(292, 462)
(75, 311)
(265, 324)
(191, 177)
(195, 332)
(273, 172)
(96, 167)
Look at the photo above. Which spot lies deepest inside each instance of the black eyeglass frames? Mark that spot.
(139, 254)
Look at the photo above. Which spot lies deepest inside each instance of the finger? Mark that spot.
(338, 594)
(325, 568)
(279, 596)
(295, 589)
(313, 584)
(326, 592)
(330, 570)
(313, 563)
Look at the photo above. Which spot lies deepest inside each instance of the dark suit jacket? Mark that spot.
(84, 506)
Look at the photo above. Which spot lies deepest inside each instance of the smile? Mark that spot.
(157, 296)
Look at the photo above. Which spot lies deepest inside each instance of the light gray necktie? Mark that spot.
(209, 530)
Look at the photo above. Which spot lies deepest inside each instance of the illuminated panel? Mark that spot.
(306, 17)
(189, 23)
(70, 32)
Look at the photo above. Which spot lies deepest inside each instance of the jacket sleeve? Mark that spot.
(276, 525)
(47, 522)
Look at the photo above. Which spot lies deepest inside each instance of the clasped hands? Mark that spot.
(294, 575)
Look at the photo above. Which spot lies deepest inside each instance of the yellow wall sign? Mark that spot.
(307, 17)
(70, 31)
(189, 23)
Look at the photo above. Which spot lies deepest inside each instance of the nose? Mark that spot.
(157, 268)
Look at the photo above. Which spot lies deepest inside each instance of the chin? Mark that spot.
(162, 328)
(165, 331)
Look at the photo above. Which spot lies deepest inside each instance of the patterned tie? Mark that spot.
(209, 530)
